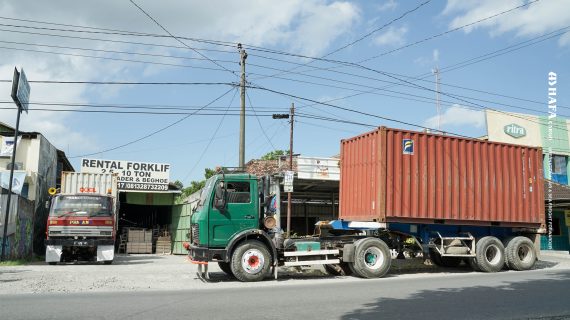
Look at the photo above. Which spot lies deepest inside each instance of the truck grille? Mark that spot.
(194, 234)
(65, 231)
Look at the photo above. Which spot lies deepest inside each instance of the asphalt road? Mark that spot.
(537, 294)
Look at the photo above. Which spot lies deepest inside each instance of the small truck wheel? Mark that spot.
(372, 258)
(250, 261)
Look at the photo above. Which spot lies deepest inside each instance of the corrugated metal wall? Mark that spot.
(456, 180)
(180, 227)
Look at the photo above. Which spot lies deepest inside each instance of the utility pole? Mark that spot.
(292, 112)
(438, 106)
(243, 56)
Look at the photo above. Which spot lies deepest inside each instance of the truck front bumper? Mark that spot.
(79, 242)
(201, 254)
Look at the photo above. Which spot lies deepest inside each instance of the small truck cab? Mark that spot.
(81, 224)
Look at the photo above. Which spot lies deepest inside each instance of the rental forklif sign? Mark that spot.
(132, 175)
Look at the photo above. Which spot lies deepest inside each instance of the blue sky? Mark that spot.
(277, 35)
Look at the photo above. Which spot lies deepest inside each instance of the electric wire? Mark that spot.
(152, 133)
(259, 122)
(177, 39)
(211, 139)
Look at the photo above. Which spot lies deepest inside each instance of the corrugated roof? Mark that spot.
(559, 192)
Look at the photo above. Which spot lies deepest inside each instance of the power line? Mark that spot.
(112, 41)
(360, 38)
(177, 39)
(113, 51)
(109, 58)
(212, 138)
(259, 122)
(450, 31)
(402, 16)
(152, 133)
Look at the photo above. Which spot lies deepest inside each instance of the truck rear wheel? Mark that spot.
(372, 258)
(490, 256)
(226, 268)
(520, 253)
(250, 261)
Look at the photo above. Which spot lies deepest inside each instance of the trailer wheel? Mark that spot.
(52, 263)
(226, 268)
(108, 262)
(372, 258)
(490, 256)
(250, 261)
(342, 269)
(435, 257)
(472, 262)
(447, 262)
(520, 253)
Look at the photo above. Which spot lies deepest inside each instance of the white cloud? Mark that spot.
(435, 55)
(458, 116)
(304, 26)
(535, 19)
(387, 5)
(392, 37)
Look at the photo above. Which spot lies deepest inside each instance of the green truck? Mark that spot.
(233, 225)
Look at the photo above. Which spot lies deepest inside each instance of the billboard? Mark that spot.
(132, 175)
(313, 168)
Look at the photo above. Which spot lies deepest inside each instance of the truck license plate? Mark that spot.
(80, 243)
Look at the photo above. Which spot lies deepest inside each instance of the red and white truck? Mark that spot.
(82, 221)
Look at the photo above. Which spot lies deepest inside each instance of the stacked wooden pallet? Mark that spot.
(139, 241)
(163, 244)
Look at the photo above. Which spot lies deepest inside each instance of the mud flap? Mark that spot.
(105, 253)
(53, 253)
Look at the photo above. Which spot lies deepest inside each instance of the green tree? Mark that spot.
(195, 185)
(274, 155)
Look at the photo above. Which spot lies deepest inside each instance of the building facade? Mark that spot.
(38, 165)
(553, 136)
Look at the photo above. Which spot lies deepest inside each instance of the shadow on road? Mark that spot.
(512, 300)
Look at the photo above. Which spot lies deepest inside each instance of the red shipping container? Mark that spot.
(392, 175)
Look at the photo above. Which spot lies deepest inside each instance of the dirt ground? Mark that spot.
(170, 272)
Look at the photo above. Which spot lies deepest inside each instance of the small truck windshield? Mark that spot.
(81, 205)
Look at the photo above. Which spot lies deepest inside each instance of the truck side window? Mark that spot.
(238, 192)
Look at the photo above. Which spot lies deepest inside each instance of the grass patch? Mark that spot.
(20, 262)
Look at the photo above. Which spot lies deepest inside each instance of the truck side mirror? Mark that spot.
(47, 204)
(220, 197)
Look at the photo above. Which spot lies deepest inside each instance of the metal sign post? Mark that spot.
(20, 95)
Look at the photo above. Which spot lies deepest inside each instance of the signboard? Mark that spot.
(407, 146)
(21, 90)
(8, 146)
(288, 181)
(132, 175)
(17, 180)
(318, 168)
(514, 130)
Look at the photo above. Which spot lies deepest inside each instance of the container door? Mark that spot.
(240, 212)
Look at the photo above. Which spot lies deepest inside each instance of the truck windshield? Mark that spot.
(82, 205)
(206, 191)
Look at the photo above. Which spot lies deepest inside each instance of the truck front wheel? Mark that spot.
(250, 261)
(372, 258)
(226, 268)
